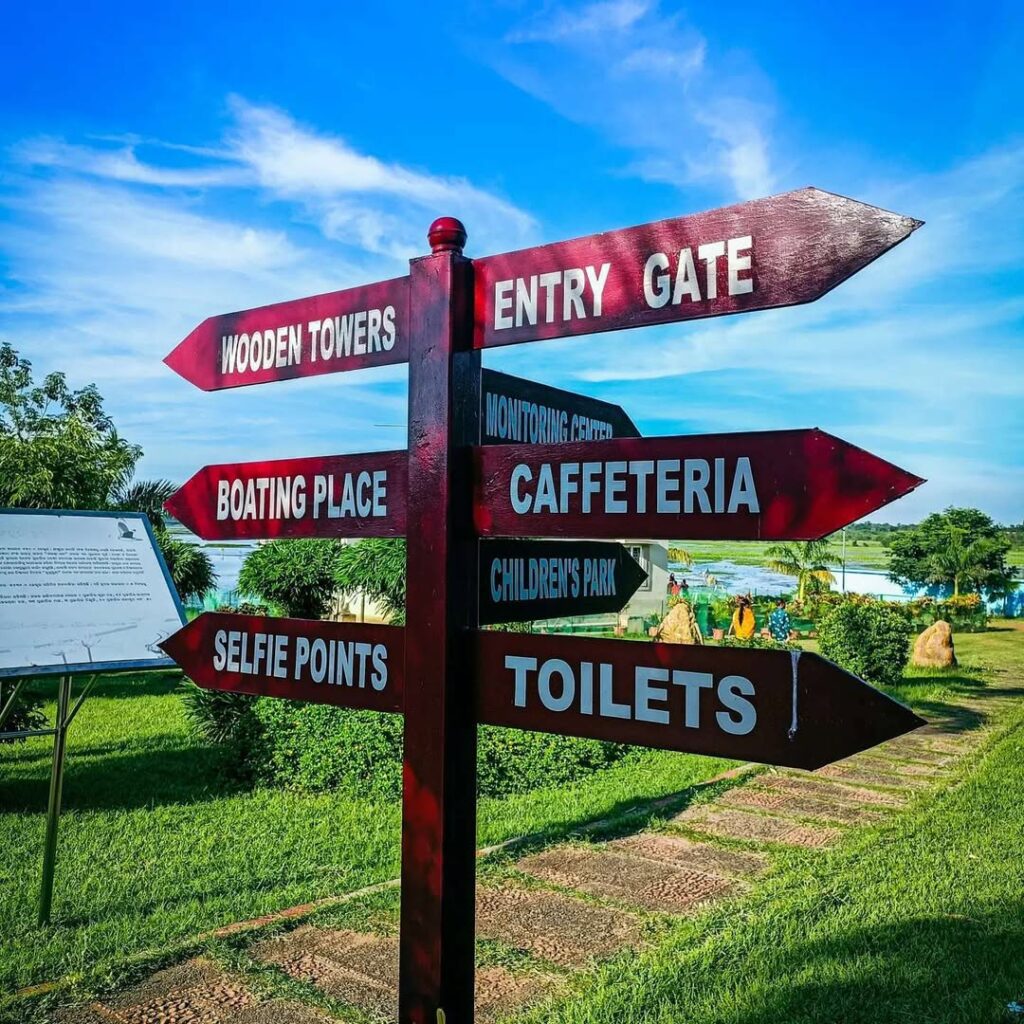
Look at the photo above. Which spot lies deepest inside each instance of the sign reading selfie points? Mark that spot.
(82, 591)
(498, 457)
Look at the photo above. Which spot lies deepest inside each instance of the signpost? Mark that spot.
(552, 464)
(330, 496)
(522, 580)
(523, 411)
(346, 330)
(776, 485)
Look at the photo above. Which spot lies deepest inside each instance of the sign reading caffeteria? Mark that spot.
(351, 665)
(519, 411)
(323, 496)
(776, 485)
(778, 251)
(776, 707)
(522, 580)
(345, 330)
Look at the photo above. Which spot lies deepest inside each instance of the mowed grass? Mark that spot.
(158, 842)
(920, 919)
(868, 554)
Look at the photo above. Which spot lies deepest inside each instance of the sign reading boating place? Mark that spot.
(346, 330)
(780, 251)
(521, 580)
(777, 707)
(328, 496)
(351, 665)
(518, 411)
(495, 457)
(776, 485)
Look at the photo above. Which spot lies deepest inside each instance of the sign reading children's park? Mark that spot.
(494, 461)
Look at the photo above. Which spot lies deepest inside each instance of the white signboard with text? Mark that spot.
(82, 591)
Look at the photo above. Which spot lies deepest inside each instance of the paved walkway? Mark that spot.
(557, 911)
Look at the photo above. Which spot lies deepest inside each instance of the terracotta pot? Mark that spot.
(718, 634)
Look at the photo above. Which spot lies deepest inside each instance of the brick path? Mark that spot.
(559, 910)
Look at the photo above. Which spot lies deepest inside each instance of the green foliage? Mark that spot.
(189, 565)
(296, 575)
(26, 712)
(679, 556)
(375, 567)
(146, 496)
(961, 547)
(871, 639)
(763, 643)
(807, 561)
(314, 747)
(58, 448)
(216, 715)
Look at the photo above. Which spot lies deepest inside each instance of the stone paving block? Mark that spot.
(736, 824)
(557, 928)
(694, 855)
(797, 805)
(281, 1011)
(833, 789)
(873, 761)
(499, 992)
(357, 968)
(636, 880)
(872, 777)
(195, 992)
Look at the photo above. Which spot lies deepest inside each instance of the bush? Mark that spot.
(26, 713)
(216, 715)
(869, 638)
(765, 643)
(295, 575)
(316, 747)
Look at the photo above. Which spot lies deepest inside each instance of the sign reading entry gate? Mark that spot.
(493, 456)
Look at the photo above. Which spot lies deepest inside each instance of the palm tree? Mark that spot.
(964, 564)
(806, 560)
(130, 495)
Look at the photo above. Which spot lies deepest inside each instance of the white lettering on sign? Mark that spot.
(361, 333)
(357, 495)
(726, 704)
(516, 419)
(668, 280)
(559, 296)
(673, 486)
(332, 662)
(543, 579)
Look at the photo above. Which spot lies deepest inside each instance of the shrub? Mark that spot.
(26, 713)
(760, 642)
(296, 575)
(869, 638)
(216, 715)
(315, 747)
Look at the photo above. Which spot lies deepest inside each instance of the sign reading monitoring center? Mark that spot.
(82, 591)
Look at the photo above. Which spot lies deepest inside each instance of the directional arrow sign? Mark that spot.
(327, 496)
(346, 330)
(778, 251)
(773, 485)
(535, 579)
(777, 707)
(347, 664)
(518, 410)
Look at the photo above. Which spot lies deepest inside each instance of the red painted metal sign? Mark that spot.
(323, 496)
(779, 251)
(351, 665)
(346, 330)
(774, 485)
(777, 707)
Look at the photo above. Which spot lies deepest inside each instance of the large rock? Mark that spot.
(934, 647)
(680, 626)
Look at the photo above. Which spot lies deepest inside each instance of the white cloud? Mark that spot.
(642, 77)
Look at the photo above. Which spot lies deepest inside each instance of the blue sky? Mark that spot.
(158, 165)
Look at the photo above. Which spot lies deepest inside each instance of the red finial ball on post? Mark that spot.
(447, 234)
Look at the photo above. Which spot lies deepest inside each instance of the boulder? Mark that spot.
(680, 626)
(934, 647)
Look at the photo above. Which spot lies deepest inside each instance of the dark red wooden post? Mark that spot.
(439, 772)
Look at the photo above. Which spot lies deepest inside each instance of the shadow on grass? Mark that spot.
(110, 684)
(134, 778)
(945, 969)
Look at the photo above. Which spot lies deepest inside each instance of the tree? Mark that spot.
(148, 496)
(190, 567)
(58, 448)
(374, 567)
(806, 560)
(296, 575)
(960, 547)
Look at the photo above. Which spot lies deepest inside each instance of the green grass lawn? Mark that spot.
(921, 919)
(158, 843)
(867, 554)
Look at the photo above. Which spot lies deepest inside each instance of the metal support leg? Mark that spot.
(53, 810)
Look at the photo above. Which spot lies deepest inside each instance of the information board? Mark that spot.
(82, 591)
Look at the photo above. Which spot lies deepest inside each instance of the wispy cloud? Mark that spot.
(642, 76)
